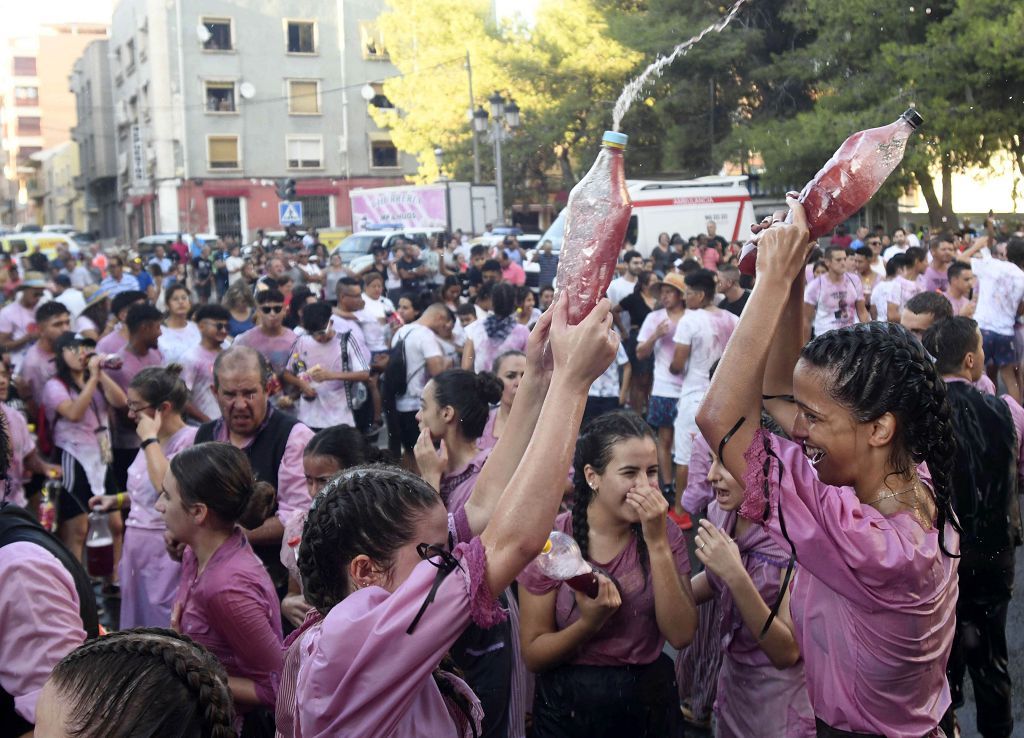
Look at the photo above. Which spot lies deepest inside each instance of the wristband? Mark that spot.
(148, 441)
(120, 500)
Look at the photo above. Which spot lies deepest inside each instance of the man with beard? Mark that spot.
(273, 441)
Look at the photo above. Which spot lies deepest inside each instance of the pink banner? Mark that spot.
(410, 207)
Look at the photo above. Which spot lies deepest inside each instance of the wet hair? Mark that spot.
(211, 311)
(271, 295)
(503, 300)
(877, 368)
(499, 360)
(930, 303)
(219, 476)
(949, 341)
(157, 384)
(895, 263)
(126, 299)
(956, 269)
(316, 316)
(51, 309)
(140, 315)
(594, 449)
(702, 280)
(344, 444)
(470, 395)
(144, 682)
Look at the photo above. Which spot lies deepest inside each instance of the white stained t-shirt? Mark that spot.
(1000, 290)
(420, 344)
(835, 302)
(619, 288)
(174, 343)
(666, 384)
(608, 385)
(706, 332)
(330, 405)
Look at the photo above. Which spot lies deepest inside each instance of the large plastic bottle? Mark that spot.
(562, 559)
(849, 179)
(595, 229)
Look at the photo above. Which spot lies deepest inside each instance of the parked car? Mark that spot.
(355, 250)
(145, 245)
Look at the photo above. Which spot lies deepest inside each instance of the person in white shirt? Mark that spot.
(1000, 291)
(899, 244)
(234, 263)
(834, 299)
(889, 296)
(70, 297)
(18, 318)
(624, 285)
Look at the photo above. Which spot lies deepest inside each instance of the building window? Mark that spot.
(24, 66)
(383, 154)
(220, 97)
(24, 152)
(303, 97)
(129, 57)
(222, 152)
(372, 41)
(29, 126)
(145, 101)
(301, 37)
(305, 152)
(316, 211)
(220, 34)
(227, 216)
(26, 96)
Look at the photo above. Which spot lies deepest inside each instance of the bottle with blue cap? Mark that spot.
(595, 229)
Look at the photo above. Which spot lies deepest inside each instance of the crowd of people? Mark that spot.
(324, 490)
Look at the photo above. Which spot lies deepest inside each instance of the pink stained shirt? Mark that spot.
(362, 674)
(275, 349)
(698, 493)
(631, 635)
(292, 494)
(958, 303)
(124, 435)
(22, 444)
(197, 374)
(40, 621)
(873, 602)
(17, 321)
(710, 258)
(143, 494)
(487, 349)
(934, 281)
(488, 439)
(330, 405)
(66, 434)
(457, 486)
(37, 368)
(232, 609)
(112, 342)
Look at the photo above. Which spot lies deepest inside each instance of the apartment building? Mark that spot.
(214, 100)
(37, 110)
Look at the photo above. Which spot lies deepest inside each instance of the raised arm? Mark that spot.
(526, 511)
(782, 358)
(520, 428)
(735, 390)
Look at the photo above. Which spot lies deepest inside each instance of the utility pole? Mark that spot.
(472, 130)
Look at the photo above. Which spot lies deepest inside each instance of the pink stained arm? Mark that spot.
(852, 548)
(291, 483)
(39, 619)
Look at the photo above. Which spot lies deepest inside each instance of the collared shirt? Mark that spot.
(291, 481)
(457, 486)
(112, 286)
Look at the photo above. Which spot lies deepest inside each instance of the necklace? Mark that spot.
(890, 494)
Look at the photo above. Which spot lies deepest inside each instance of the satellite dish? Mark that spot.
(246, 90)
(204, 33)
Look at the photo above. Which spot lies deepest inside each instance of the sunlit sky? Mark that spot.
(20, 17)
(509, 8)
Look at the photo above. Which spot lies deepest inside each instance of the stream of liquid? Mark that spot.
(633, 89)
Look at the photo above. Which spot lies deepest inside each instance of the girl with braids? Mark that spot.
(454, 409)
(509, 368)
(874, 601)
(225, 598)
(149, 577)
(497, 333)
(133, 683)
(599, 662)
(375, 563)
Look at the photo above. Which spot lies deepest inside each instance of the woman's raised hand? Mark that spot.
(783, 249)
(537, 343)
(582, 352)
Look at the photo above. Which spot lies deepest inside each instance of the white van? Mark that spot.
(680, 206)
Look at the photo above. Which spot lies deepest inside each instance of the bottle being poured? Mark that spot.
(595, 229)
(561, 559)
(848, 180)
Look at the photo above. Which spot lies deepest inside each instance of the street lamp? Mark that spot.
(504, 117)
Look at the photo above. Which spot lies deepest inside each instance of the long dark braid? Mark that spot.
(145, 681)
(371, 510)
(878, 368)
(594, 449)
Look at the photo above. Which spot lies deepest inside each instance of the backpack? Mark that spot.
(355, 392)
(396, 376)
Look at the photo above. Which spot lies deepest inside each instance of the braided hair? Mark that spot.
(594, 449)
(144, 682)
(371, 510)
(878, 368)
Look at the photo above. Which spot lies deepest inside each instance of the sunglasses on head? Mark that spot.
(268, 309)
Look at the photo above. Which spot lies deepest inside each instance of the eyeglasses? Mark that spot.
(268, 309)
(219, 325)
(133, 408)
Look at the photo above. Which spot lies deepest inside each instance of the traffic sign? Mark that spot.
(289, 213)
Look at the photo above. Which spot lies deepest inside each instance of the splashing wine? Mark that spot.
(632, 89)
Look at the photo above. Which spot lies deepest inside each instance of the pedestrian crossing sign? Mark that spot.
(289, 213)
